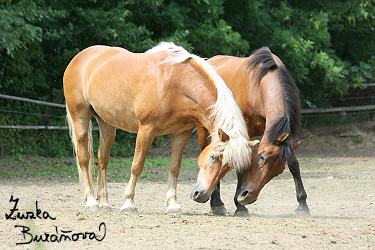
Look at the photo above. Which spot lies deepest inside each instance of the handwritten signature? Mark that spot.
(64, 236)
(59, 236)
(28, 215)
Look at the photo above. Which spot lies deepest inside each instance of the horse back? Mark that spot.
(77, 72)
(104, 79)
(128, 89)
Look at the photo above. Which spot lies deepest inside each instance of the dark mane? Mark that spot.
(291, 120)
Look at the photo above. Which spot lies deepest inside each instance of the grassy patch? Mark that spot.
(23, 167)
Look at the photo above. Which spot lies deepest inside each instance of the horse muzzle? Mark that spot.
(245, 197)
(199, 193)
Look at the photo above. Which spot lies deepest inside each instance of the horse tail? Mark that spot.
(74, 142)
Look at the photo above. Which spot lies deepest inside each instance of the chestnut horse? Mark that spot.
(165, 90)
(270, 103)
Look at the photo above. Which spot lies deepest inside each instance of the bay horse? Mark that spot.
(270, 103)
(165, 90)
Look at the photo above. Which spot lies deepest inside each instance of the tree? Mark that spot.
(326, 45)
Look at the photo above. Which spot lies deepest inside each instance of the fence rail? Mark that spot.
(38, 127)
(338, 109)
(304, 111)
(32, 101)
(43, 127)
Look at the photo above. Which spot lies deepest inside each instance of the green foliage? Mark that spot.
(358, 138)
(327, 46)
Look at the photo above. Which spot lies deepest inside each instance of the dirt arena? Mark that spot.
(338, 171)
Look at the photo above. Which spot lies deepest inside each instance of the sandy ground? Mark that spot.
(338, 172)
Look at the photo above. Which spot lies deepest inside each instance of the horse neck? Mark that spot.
(273, 99)
(223, 113)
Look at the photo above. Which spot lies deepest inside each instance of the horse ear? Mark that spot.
(296, 144)
(281, 138)
(252, 143)
(222, 135)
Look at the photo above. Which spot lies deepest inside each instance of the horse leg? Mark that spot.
(107, 138)
(302, 210)
(81, 137)
(217, 205)
(241, 210)
(144, 140)
(177, 146)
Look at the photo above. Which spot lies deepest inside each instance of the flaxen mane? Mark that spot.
(291, 120)
(225, 112)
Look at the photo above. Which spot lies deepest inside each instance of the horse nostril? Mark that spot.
(245, 193)
(196, 194)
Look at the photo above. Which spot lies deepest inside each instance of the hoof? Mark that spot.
(219, 210)
(174, 210)
(93, 209)
(242, 213)
(92, 205)
(128, 209)
(302, 213)
(105, 207)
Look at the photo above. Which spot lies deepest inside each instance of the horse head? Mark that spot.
(212, 168)
(267, 161)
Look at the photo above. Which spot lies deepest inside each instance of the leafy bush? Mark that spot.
(327, 46)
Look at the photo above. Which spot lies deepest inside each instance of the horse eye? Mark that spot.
(212, 157)
(261, 157)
